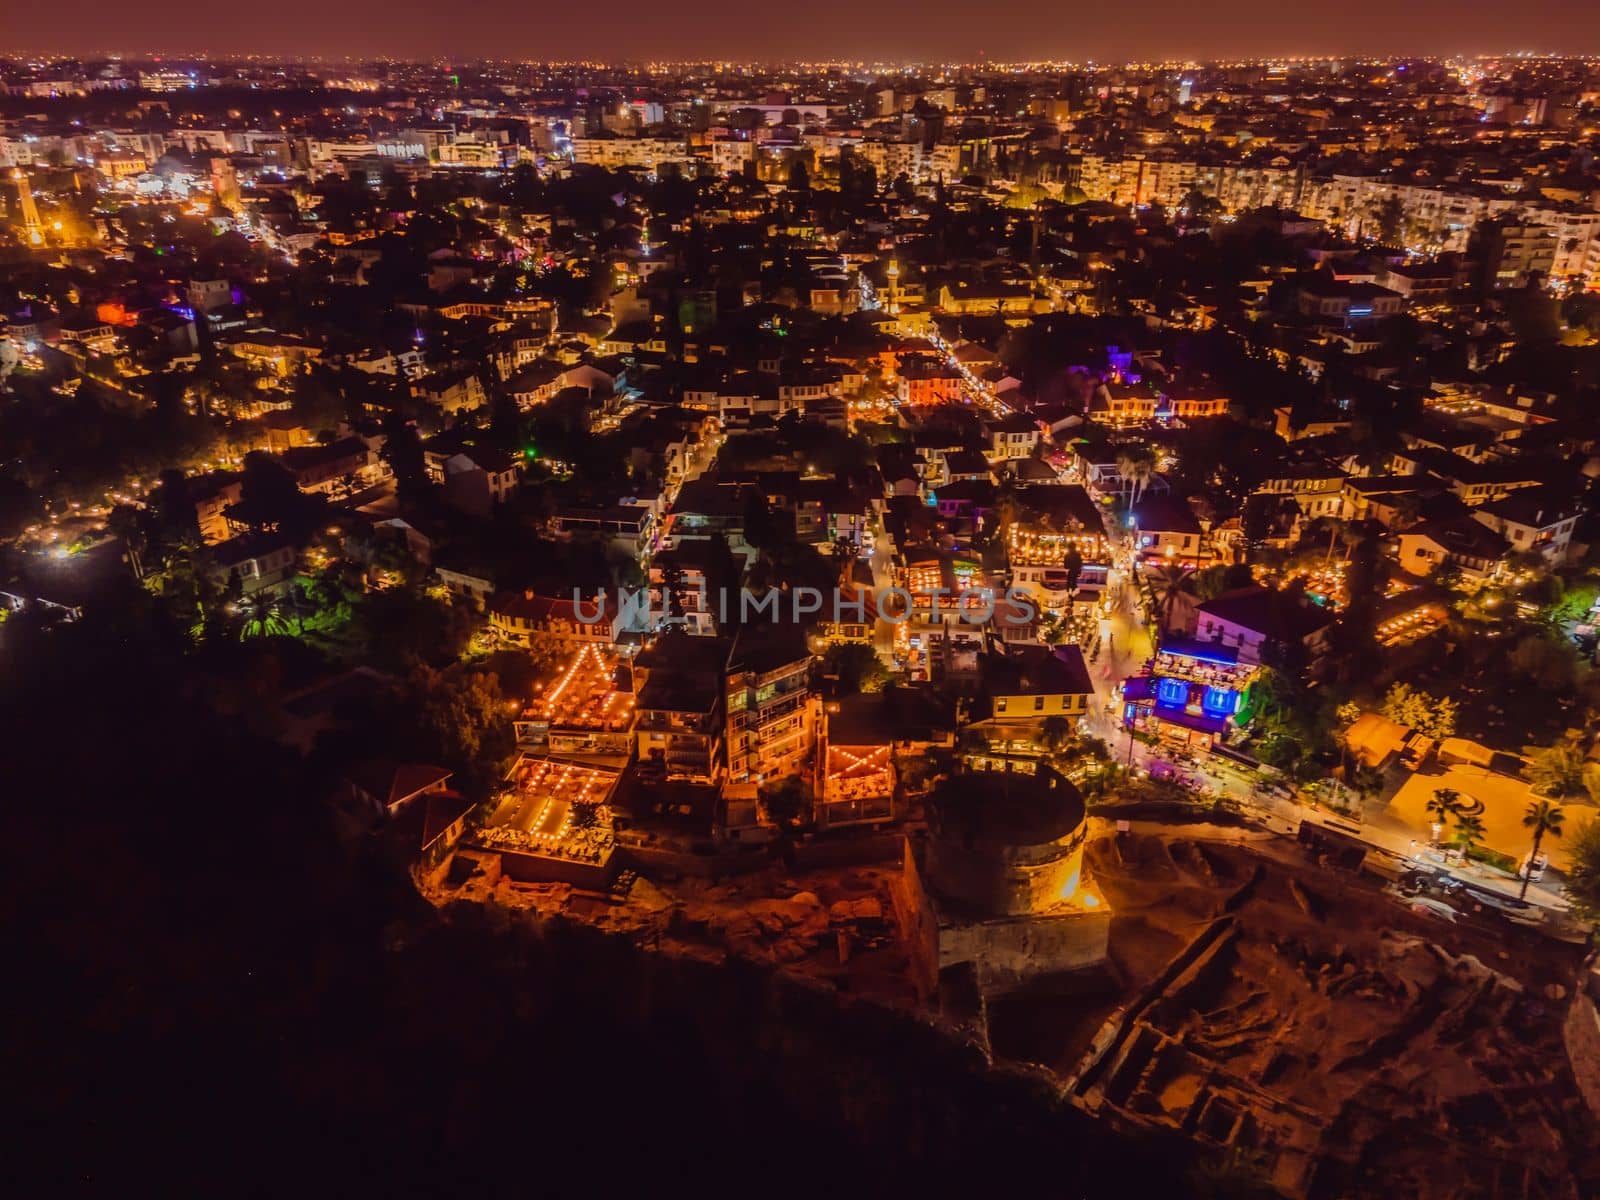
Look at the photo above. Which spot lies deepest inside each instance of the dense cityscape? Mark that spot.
(806, 625)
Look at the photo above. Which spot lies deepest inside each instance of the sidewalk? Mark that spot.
(1128, 645)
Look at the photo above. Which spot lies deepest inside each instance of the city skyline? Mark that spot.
(662, 622)
(718, 29)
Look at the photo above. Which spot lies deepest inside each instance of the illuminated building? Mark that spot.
(282, 354)
(587, 707)
(984, 298)
(1190, 695)
(523, 618)
(537, 831)
(1249, 619)
(32, 226)
(1057, 519)
(679, 728)
(1027, 685)
(858, 775)
(1512, 252)
(212, 494)
(1165, 530)
(1122, 404)
(1532, 519)
(686, 570)
(929, 385)
(417, 799)
(772, 713)
(1462, 542)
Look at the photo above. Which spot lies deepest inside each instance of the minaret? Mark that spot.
(31, 225)
(893, 274)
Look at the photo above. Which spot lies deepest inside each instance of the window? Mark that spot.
(1038, 703)
(1000, 705)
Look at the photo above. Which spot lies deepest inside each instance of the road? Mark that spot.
(1128, 643)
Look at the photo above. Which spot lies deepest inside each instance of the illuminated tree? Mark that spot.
(1582, 884)
(1387, 218)
(1444, 804)
(262, 615)
(1556, 771)
(1469, 831)
(1055, 735)
(1171, 585)
(858, 667)
(1136, 465)
(1432, 716)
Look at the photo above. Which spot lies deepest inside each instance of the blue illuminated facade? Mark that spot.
(1172, 692)
(1190, 692)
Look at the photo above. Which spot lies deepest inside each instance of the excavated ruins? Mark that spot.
(1323, 1034)
(1305, 1025)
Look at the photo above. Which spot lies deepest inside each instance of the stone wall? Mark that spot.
(539, 868)
(918, 922)
(1008, 951)
(1582, 1035)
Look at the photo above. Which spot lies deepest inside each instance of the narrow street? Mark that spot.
(1128, 642)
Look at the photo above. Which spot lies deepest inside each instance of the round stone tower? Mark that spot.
(1006, 843)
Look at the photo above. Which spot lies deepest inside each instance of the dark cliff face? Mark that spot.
(474, 1051)
(213, 994)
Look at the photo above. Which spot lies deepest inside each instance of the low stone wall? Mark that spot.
(536, 868)
(650, 859)
(1581, 1033)
(856, 850)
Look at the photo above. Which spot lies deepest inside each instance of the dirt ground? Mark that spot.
(836, 925)
(1402, 1056)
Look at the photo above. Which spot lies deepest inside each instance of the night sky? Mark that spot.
(898, 30)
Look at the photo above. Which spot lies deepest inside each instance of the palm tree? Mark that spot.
(297, 599)
(1136, 465)
(1444, 804)
(1543, 817)
(1054, 734)
(1336, 526)
(1072, 564)
(261, 615)
(786, 804)
(1170, 584)
(125, 522)
(1351, 536)
(1469, 829)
